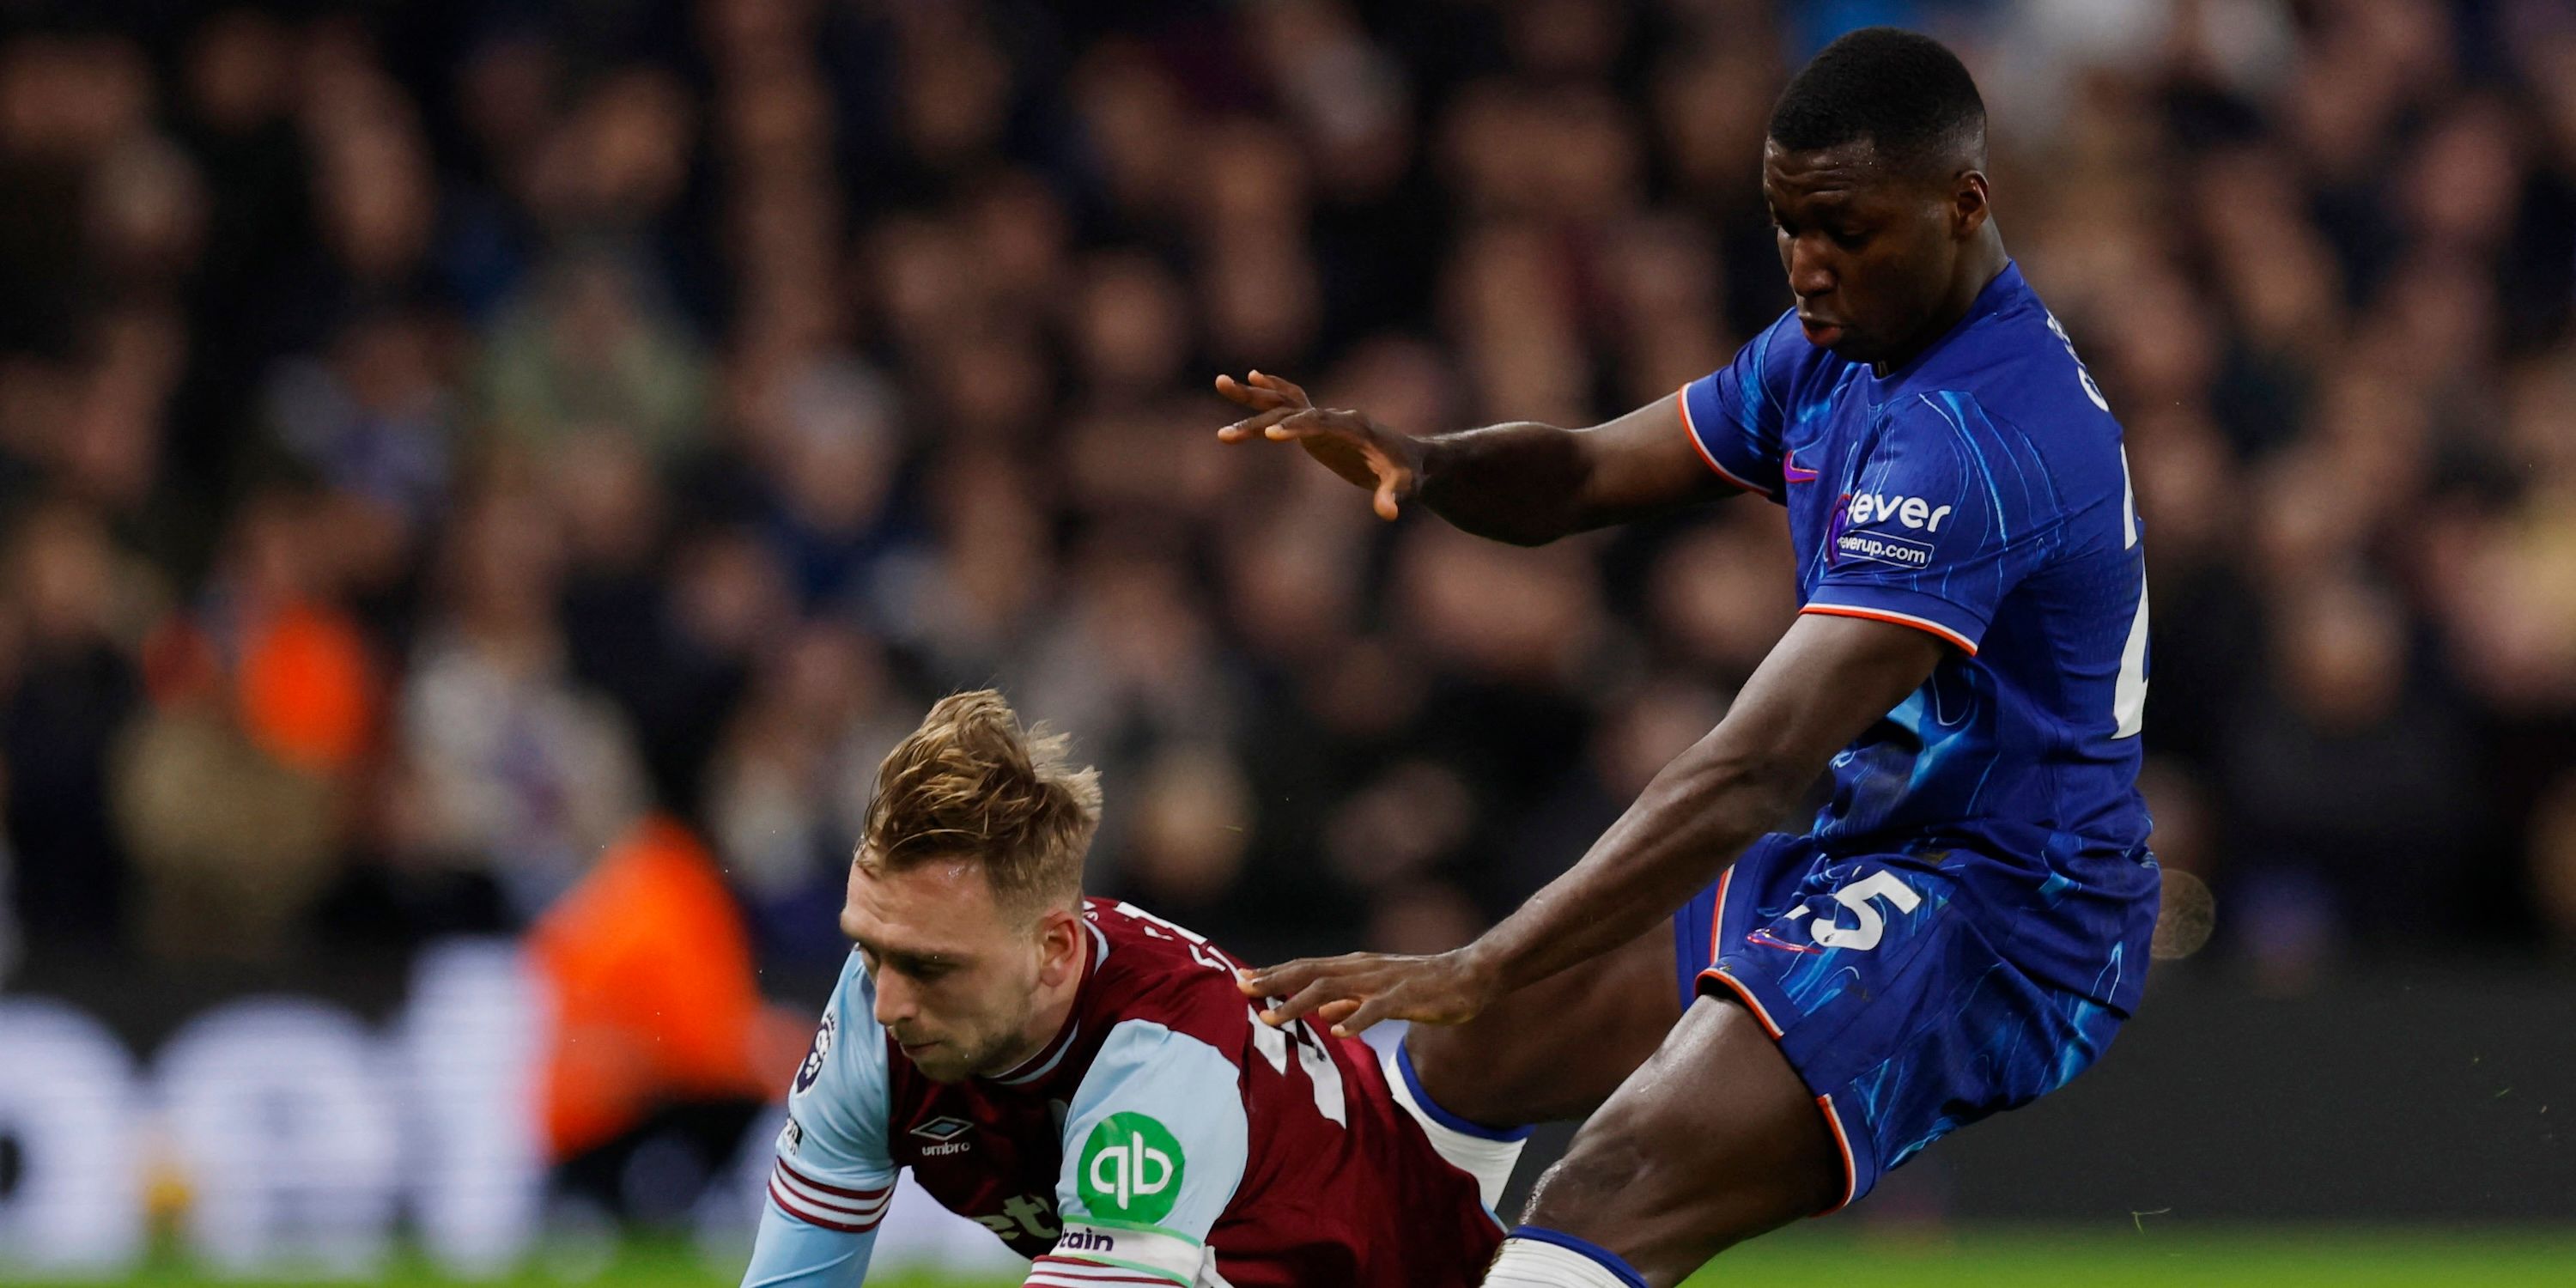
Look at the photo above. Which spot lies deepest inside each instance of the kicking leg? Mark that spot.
(1715, 1140)
(1554, 1050)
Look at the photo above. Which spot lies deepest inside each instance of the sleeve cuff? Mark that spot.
(1690, 427)
(849, 1209)
(1091, 1252)
(1929, 613)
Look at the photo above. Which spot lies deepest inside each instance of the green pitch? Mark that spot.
(2120, 1257)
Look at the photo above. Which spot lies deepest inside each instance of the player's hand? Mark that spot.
(1347, 442)
(1356, 990)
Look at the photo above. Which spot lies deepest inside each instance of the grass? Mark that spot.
(2150, 1257)
(2218, 1257)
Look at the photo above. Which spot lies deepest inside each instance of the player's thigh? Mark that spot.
(1558, 1048)
(1714, 1140)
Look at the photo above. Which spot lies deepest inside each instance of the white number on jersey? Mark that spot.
(2129, 695)
(2091, 390)
(1873, 923)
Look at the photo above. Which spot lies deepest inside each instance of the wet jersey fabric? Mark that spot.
(1164, 1136)
(1978, 493)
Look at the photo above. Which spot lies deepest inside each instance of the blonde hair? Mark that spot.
(971, 783)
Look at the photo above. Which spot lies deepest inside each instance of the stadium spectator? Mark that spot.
(664, 407)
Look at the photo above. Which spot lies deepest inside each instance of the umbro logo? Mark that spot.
(943, 1132)
(944, 1129)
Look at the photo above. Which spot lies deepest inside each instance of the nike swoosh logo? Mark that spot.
(1789, 469)
(1766, 940)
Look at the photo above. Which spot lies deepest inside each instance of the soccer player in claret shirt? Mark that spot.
(1965, 924)
(1082, 1078)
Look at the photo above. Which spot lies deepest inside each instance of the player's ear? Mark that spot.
(1059, 947)
(1968, 208)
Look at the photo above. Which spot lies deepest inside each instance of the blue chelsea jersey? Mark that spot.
(1979, 493)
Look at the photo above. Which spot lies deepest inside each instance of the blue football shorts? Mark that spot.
(1881, 979)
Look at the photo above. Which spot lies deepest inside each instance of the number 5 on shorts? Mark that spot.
(1873, 924)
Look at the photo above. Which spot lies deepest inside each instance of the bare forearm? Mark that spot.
(1521, 482)
(1689, 823)
(1823, 684)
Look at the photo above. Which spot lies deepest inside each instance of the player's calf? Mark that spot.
(1713, 1141)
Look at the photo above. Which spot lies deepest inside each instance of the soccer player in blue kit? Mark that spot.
(1965, 925)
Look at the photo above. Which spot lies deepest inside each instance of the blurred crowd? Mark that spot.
(440, 439)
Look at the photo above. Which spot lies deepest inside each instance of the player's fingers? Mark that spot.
(1252, 396)
(1242, 430)
(1283, 979)
(1305, 1000)
(1280, 385)
(1359, 1018)
(1385, 499)
(1310, 422)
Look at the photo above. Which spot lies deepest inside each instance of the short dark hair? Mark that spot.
(1906, 94)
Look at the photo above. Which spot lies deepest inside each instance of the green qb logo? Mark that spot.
(1131, 1169)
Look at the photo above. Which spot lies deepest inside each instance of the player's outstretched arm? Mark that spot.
(1823, 685)
(789, 1253)
(833, 1177)
(1523, 482)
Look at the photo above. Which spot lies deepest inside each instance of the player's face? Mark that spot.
(1871, 251)
(956, 977)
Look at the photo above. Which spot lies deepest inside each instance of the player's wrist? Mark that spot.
(1476, 970)
(1426, 457)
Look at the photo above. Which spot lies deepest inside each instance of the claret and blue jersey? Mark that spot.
(1979, 493)
(1163, 1136)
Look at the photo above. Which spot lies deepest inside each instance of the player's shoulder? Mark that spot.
(2015, 403)
(1158, 971)
(833, 1167)
(847, 1058)
(2020, 371)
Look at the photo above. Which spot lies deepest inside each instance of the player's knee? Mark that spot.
(1626, 1163)
(1458, 1077)
(1601, 1171)
(1670, 1187)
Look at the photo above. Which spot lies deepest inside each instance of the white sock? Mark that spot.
(1484, 1157)
(1537, 1263)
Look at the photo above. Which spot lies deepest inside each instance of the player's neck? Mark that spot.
(1983, 261)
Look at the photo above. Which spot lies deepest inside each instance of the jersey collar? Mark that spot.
(1998, 294)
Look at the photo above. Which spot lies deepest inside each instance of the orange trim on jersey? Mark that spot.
(1901, 619)
(1692, 432)
(1751, 1003)
(1842, 1141)
(1717, 915)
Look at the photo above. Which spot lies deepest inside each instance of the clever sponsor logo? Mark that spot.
(1912, 511)
(1880, 547)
